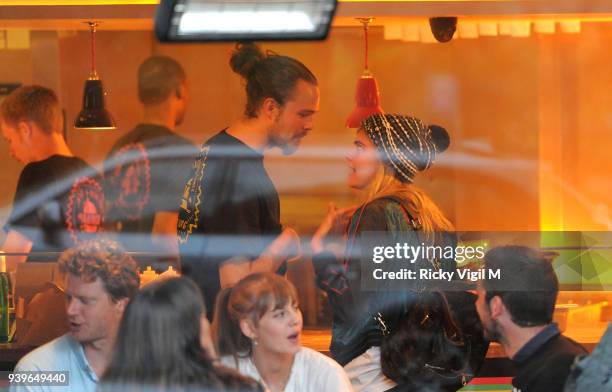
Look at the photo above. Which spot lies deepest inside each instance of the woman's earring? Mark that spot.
(254, 341)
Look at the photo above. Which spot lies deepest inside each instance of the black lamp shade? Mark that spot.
(94, 114)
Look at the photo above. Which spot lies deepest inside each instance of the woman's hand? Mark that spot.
(286, 246)
(334, 225)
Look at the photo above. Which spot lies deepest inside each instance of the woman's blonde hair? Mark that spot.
(420, 206)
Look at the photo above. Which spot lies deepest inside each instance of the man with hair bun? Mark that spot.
(229, 222)
(58, 200)
(147, 168)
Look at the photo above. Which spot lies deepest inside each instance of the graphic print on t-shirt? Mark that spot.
(189, 213)
(84, 211)
(130, 182)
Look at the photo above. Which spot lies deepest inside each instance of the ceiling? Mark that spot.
(138, 14)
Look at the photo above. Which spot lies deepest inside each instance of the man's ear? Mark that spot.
(497, 307)
(179, 92)
(121, 304)
(25, 129)
(248, 329)
(270, 108)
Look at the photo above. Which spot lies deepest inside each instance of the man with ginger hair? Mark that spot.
(101, 278)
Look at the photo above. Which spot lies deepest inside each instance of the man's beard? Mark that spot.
(288, 148)
(491, 331)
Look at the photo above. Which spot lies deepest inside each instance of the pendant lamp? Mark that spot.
(367, 96)
(94, 115)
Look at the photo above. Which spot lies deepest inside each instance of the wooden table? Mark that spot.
(319, 340)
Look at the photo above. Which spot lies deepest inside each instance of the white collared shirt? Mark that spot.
(311, 372)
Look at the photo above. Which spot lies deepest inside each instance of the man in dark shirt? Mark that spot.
(517, 311)
(229, 222)
(147, 168)
(58, 200)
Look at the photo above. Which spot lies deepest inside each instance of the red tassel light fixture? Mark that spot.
(367, 96)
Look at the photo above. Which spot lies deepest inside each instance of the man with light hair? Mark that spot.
(58, 200)
(101, 278)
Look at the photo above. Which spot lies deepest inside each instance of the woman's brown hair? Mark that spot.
(250, 299)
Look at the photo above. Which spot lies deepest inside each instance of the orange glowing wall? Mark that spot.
(530, 118)
(575, 131)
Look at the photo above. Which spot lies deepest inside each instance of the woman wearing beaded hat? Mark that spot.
(387, 153)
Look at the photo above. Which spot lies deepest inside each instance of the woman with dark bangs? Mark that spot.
(164, 344)
(369, 327)
(257, 331)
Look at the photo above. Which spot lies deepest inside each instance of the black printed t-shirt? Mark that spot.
(145, 173)
(59, 201)
(230, 208)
